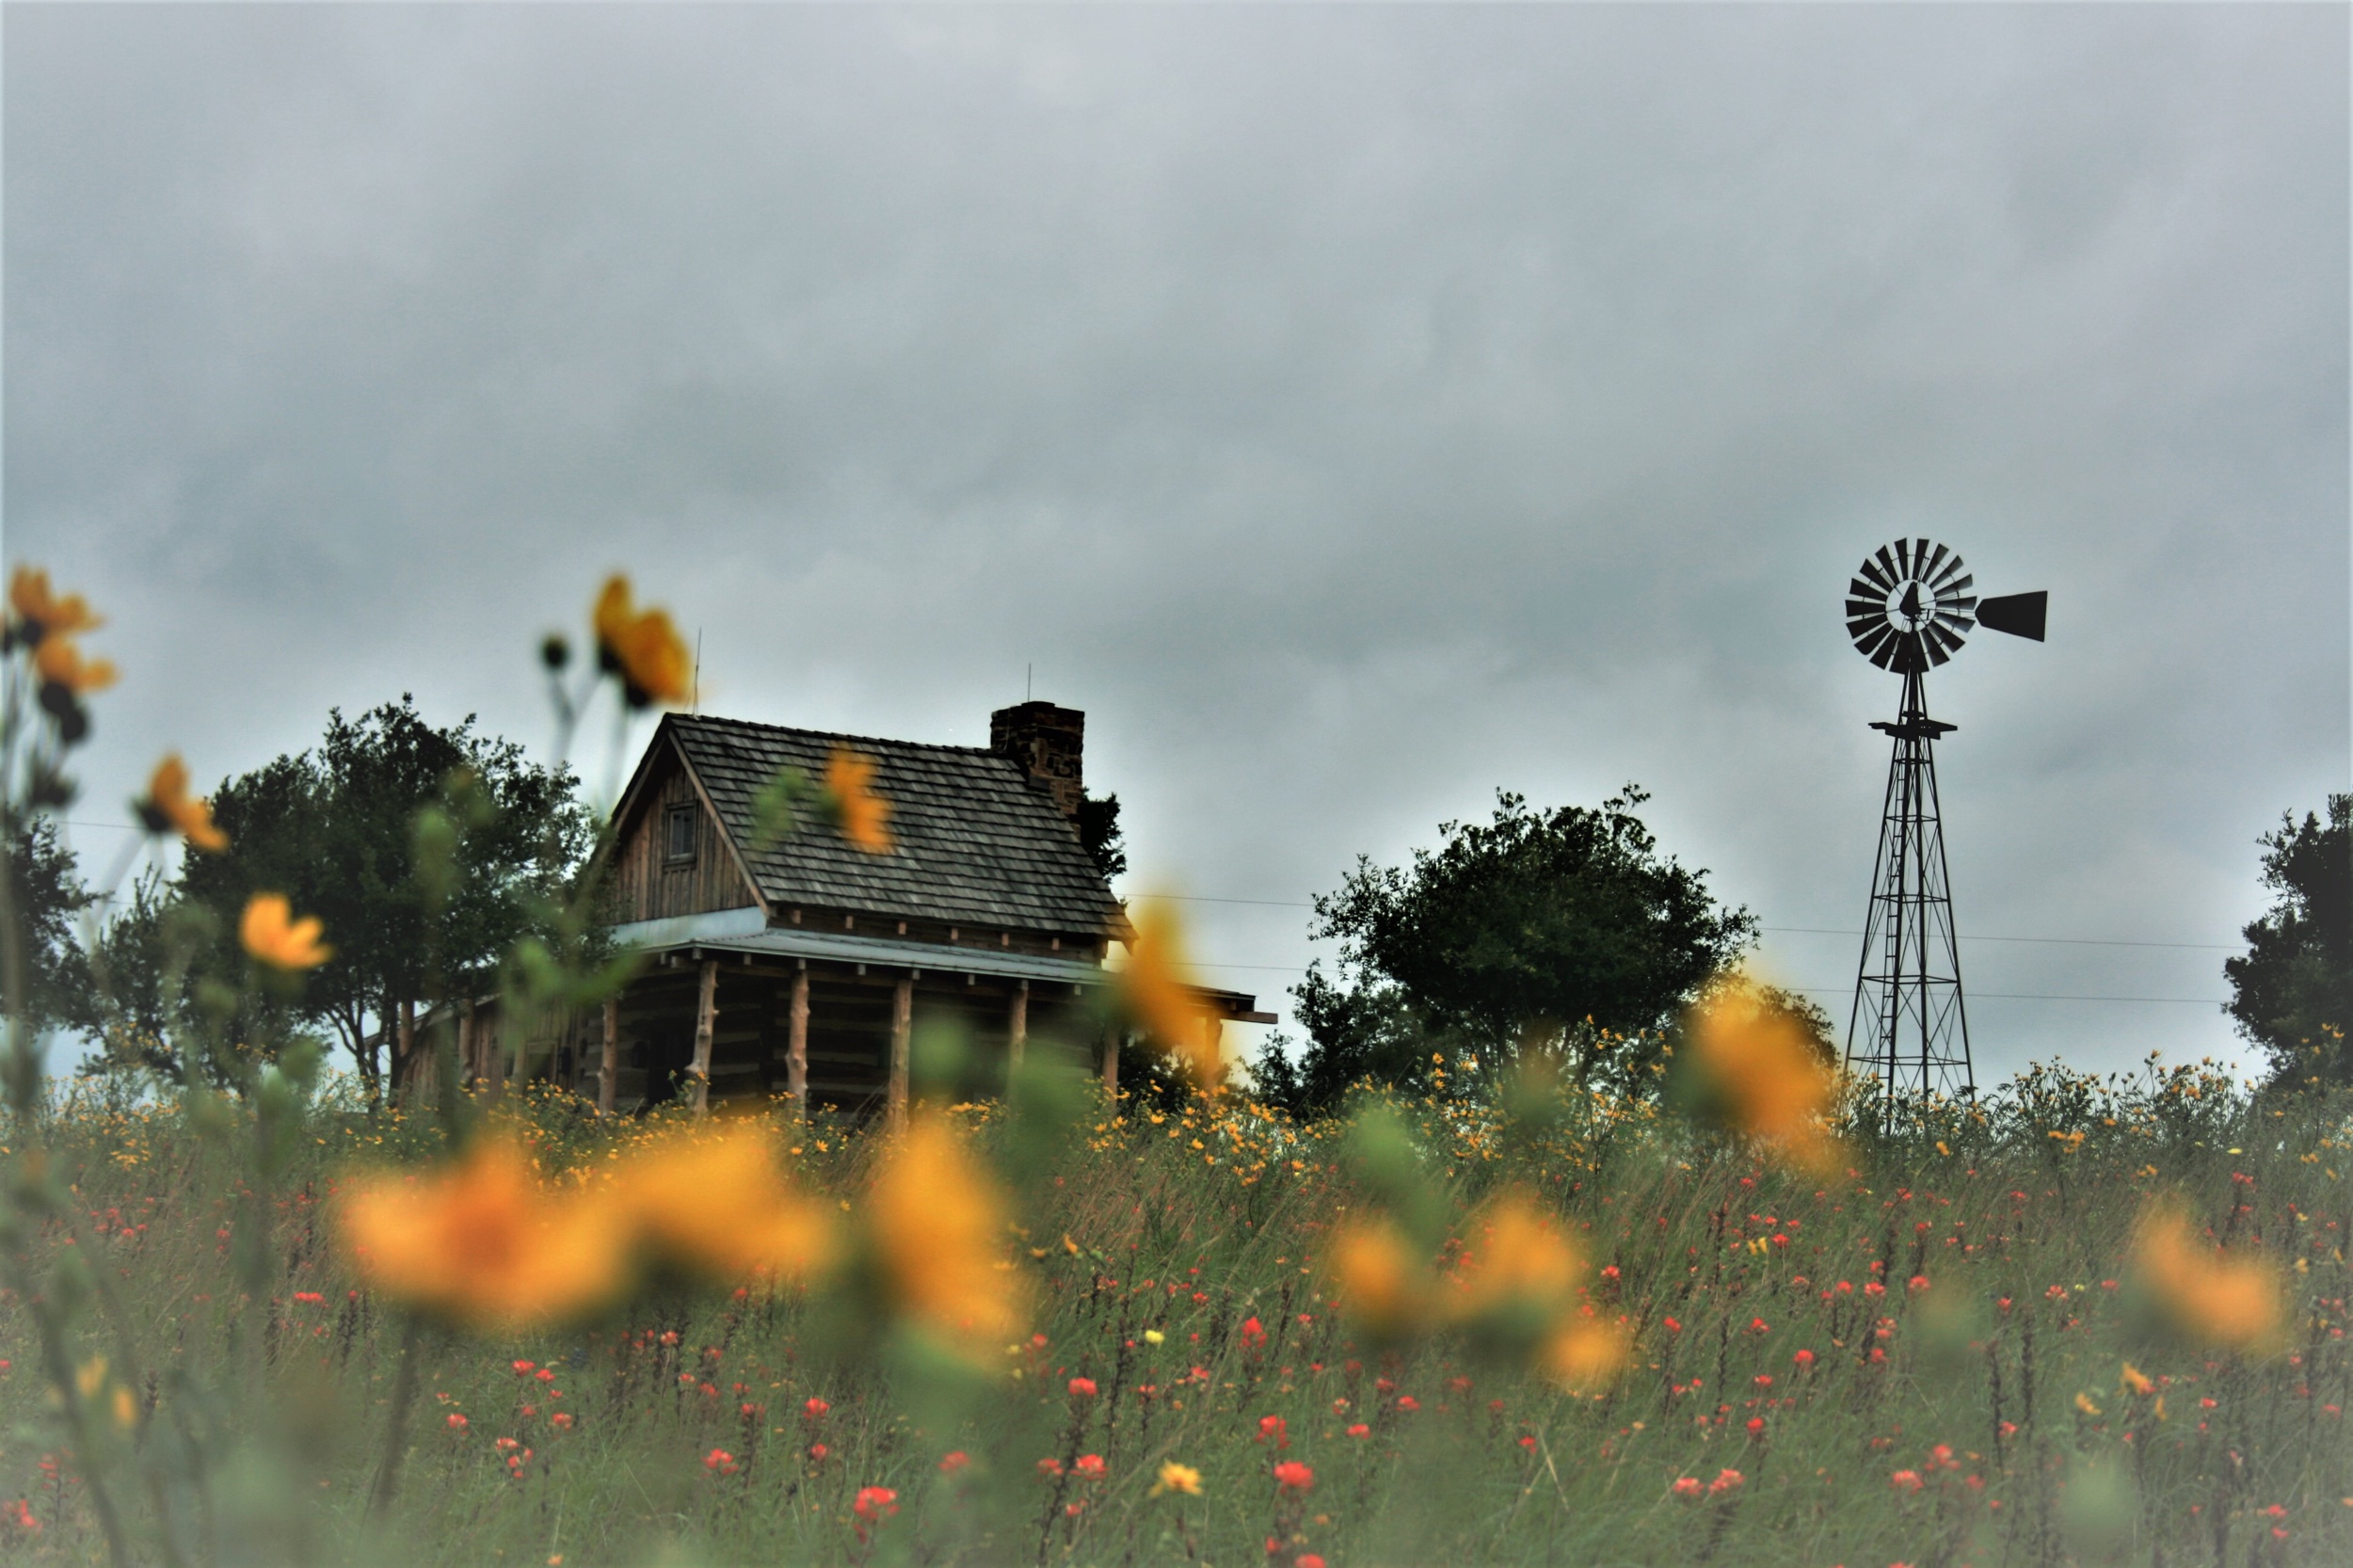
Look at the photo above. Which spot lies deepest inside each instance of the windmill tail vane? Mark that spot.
(1909, 608)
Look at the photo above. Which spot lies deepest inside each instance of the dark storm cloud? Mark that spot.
(1353, 410)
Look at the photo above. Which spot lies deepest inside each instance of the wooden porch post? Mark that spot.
(609, 1065)
(796, 1044)
(706, 1012)
(1111, 1058)
(1016, 1028)
(902, 1037)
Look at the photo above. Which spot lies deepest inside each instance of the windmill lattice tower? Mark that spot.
(1907, 610)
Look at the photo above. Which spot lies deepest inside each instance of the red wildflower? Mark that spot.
(875, 1504)
(1906, 1481)
(1088, 1467)
(1082, 1388)
(1360, 1430)
(1726, 1481)
(719, 1463)
(1690, 1488)
(815, 1408)
(1253, 1333)
(1291, 1476)
(954, 1462)
(456, 1423)
(1274, 1429)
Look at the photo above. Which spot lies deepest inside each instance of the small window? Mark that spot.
(679, 836)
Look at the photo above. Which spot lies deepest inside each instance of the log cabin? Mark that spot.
(805, 966)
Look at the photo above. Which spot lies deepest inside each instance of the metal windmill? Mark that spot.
(1907, 610)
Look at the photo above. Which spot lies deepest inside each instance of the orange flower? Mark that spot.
(40, 614)
(1751, 1067)
(271, 934)
(61, 663)
(485, 1243)
(1522, 1265)
(864, 816)
(1384, 1290)
(1155, 985)
(642, 648)
(716, 1205)
(168, 809)
(1584, 1352)
(2201, 1294)
(935, 1223)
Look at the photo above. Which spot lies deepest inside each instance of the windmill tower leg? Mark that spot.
(1908, 1026)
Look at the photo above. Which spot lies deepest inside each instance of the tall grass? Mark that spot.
(1934, 1346)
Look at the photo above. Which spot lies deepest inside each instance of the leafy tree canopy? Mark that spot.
(2291, 991)
(1565, 928)
(46, 895)
(428, 853)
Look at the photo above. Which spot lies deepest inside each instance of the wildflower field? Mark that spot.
(1951, 1350)
(1753, 1314)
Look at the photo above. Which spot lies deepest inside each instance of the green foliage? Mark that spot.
(432, 855)
(1563, 930)
(48, 897)
(1099, 831)
(274, 1414)
(2291, 991)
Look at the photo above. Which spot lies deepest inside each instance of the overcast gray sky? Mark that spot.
(1353, 410)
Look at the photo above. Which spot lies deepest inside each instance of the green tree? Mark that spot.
(47, 896)
(2291, 991)
(1565, 928)
(1099, 831)
(429, 854)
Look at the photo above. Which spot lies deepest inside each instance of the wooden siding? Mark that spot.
(647, 885)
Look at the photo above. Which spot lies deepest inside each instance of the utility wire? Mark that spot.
(1803, 930)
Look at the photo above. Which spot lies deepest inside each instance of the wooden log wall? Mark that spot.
(647, 885)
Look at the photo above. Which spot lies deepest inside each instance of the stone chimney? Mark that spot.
(1046, 743)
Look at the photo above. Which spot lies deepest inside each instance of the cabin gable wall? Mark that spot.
(650, 883)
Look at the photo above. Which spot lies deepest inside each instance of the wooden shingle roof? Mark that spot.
(976, 843)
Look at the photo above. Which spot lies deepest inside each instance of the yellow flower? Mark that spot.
(1757, 1073)
(40, 614)
(1153, 1336)
(1178, 1478)
(1524, 1262)
(2135, 1380)
(2215, 1300)
(2082, 1402)
(485, 1243)
(271, 934)
(935, 1220)
(61, 663)
(864, 815)
(642, 648)
(1155, 985)
(1381, 1287)
(1584, 1352)
(168, 808)
(716, 1205)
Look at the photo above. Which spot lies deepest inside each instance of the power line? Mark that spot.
(1803, 930)
(1826, 991)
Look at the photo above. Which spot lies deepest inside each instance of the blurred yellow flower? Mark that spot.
(935, 1223)
(1178, 1478)
(40, 614)
(485, 1242)
(2082, 1402)
(1383, 1288)
(168, 808)
(2135, 1380)
(1583, 1354)
(1753, 1069)
(864, 815)
(61, 663)
(1522, 1262)
(271, 934)
(1157, 986)
(642, 648)
(715, 1204)
(2215, 1300)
